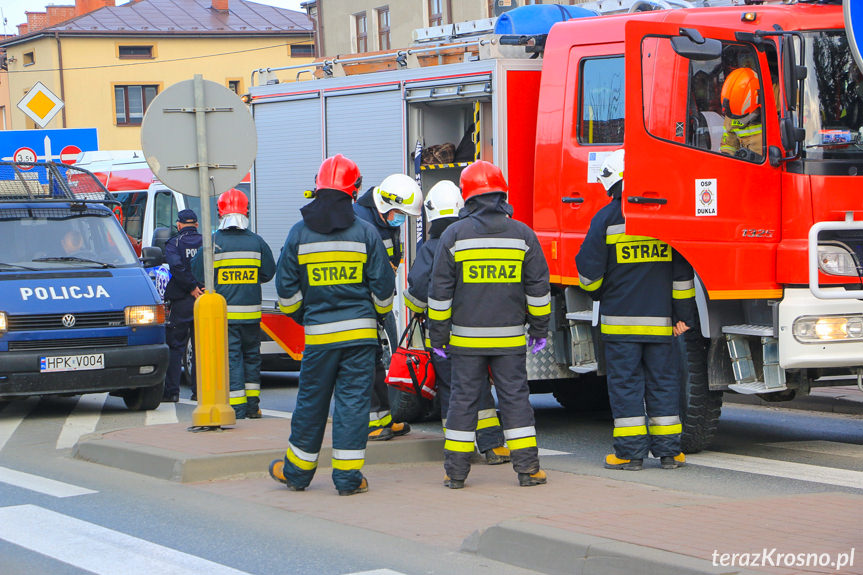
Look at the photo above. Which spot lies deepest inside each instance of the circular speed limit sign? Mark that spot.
(24, 156)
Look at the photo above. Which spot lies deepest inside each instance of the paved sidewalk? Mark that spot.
(565, 527)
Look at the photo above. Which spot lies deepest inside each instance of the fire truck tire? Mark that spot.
(144, 398)
(587, 394)
(700, 408)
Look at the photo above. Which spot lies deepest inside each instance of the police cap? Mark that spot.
(187, 217)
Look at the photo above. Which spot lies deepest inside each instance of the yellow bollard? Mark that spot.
(211, 356)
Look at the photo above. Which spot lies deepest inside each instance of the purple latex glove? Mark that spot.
(439, 351)
(536, 344)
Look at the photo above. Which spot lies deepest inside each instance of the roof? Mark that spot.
(179, 17)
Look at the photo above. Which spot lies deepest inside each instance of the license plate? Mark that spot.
(73, 362)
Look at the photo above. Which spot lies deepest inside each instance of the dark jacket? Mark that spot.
(335, 284)
(644, 285)
(242, 261)
(489, 278)
(179, 251)
(419, 278)
(392, 237)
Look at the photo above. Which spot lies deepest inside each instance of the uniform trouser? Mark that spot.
(244, 367)
(469, 377)
(178, 331)
(345, 374)
(379, 414)
(488, 431)
(643, 375)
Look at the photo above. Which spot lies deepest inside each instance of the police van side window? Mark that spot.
(165, 210)
(601, 101)
(683, 99)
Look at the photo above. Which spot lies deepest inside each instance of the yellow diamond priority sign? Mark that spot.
(40, 104)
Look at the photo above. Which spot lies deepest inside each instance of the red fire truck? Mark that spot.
(770, 231)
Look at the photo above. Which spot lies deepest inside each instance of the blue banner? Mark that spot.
(853, 10)
(47, 145)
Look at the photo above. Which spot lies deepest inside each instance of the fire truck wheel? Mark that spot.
(588, 393)
(144, 398)
(699, 407)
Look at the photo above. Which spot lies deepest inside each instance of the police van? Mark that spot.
(78, 313)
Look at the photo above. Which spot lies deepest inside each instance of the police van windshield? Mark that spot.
(52, 238)
(833, 99)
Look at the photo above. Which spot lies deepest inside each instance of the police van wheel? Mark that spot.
(700, 408)
(144, 398)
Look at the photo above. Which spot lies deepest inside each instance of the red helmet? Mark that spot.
(481, 177)
(233, 202)
(339, 173)
(740, 93)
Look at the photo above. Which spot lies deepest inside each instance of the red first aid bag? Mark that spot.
(411, 370)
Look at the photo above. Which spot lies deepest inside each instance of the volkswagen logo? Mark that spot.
(68, 320)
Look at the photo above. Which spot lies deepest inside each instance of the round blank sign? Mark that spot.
(170, 143)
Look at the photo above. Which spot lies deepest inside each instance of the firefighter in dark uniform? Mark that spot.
(386, 207)
(242, 261)
(489, 279)
(646, 292)
(334, 279)
(442, 205)
(742, 134)
(180, 295)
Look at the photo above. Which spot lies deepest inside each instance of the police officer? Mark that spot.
(647, 296)
(386, 207)
(442, 205)
(489, 278)
(242, 261)
(180, 295)
(742, 133)
(334, 279)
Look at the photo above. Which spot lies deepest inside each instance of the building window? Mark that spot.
(234, 86)
(130, 103)
(135, 52)
(29, 59)
(362, 32)
(384, 28)
(435, 12)
(302, 50)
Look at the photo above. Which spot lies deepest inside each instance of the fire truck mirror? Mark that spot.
(791, 72)
(790, 134)
(709, 49)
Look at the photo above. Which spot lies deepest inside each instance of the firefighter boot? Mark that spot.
(612, 461)
(361, 488)
(453, 483)
(254, 414)
(400, 428)
(497, 455)
(531, 479)
(277, 472)
(672, 461)
(381, 434)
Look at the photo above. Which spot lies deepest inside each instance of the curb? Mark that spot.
(185, 468)
(556, 551)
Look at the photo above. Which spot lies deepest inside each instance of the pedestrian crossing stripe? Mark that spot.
(41, 484)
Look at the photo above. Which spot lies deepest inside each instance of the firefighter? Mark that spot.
(647, 294)
(489, 278)
(180, 294)
(333, 278)
(242, 261)
(742, 133)
(386, 207)
(442, 205)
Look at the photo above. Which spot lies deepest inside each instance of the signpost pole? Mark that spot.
(203, 181)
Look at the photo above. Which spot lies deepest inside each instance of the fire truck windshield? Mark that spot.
(833, 99)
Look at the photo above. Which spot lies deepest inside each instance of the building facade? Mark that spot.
(108, 63)
(355, 26)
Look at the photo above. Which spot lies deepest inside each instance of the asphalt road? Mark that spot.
(126, 523)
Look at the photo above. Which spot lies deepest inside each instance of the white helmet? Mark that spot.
(611, 171)
(443, 201)
(398, 192)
